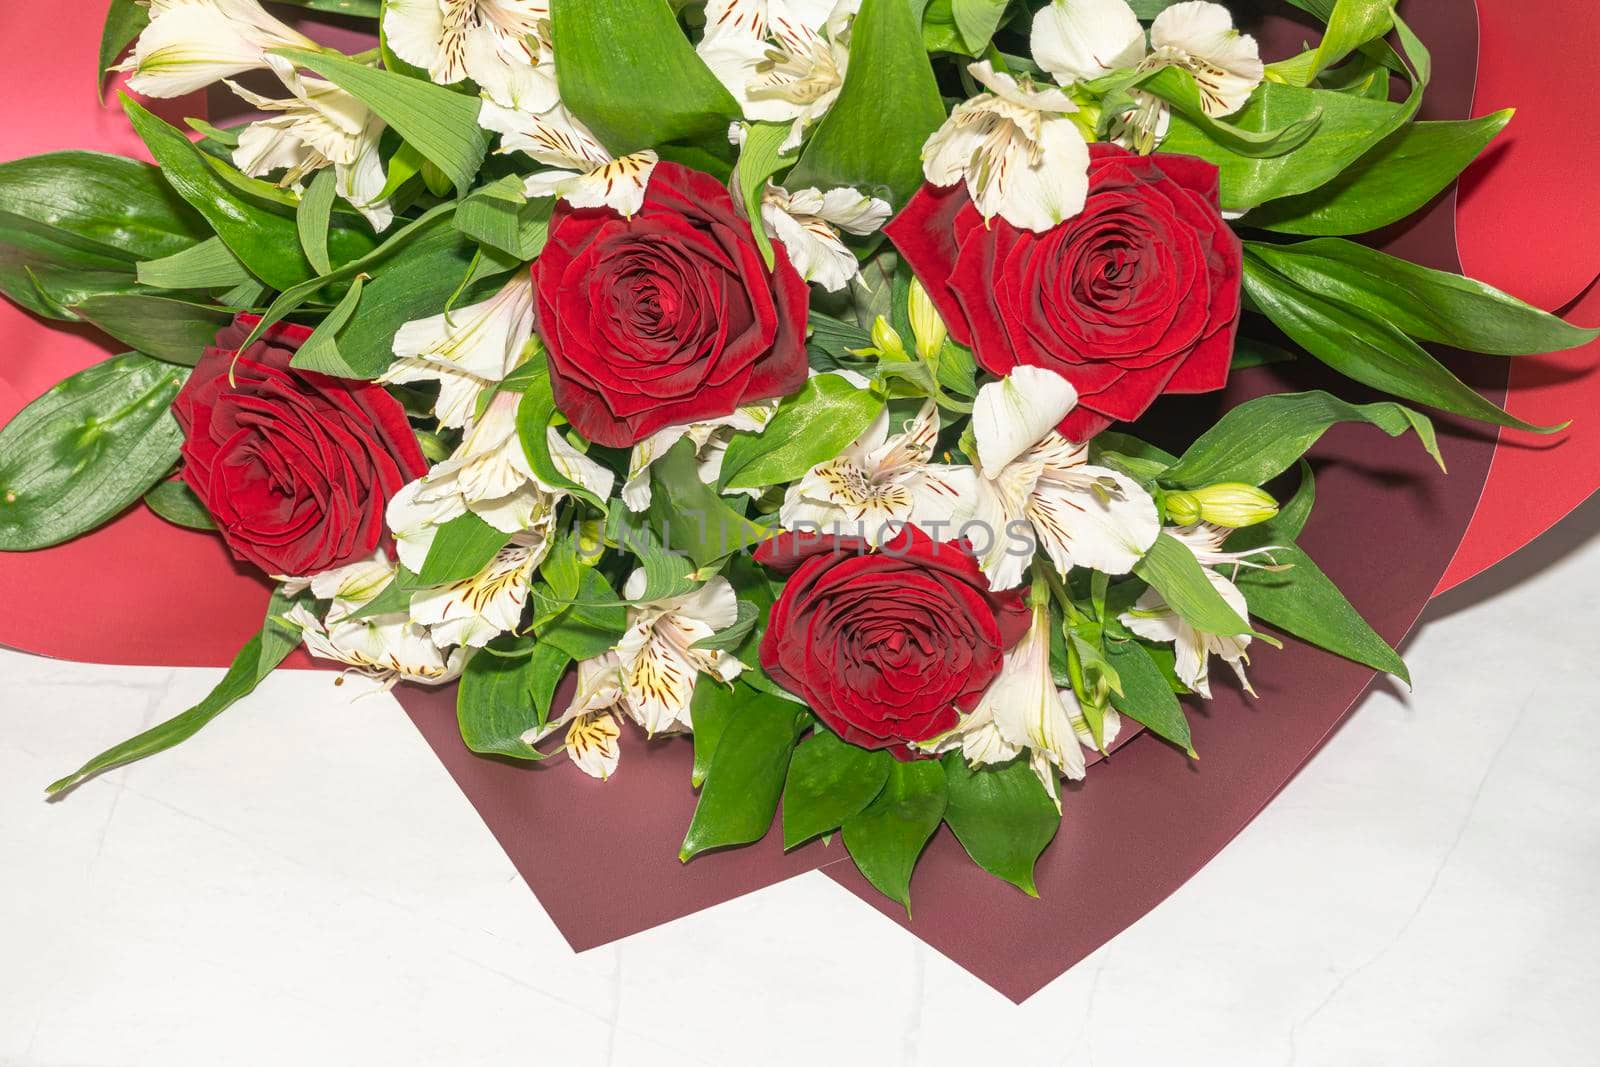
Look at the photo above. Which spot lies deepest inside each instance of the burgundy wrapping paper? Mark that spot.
(1141, 825)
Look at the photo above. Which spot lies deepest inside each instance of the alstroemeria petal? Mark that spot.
(1010, 416)
(592, 744)
(1093, 517)
(484, 339)
(1200, 37)
(1079, 40)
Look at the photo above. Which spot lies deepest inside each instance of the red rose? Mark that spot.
(885, 646)
(1136, 296)
(295, 467)
(666, 317)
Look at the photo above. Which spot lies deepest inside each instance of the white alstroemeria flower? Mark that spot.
(584, 174)
(475, 610)
(783, 60)
(1079, 40)
(388, 647)
(1152, 618)
(660, 664)
(881, 483)
(466, 350)
(1024, 711)
(1018, 154)
(808, 222)
(710, 439)
(503, 45)
(489, 475)
(191, 44)
(592, 730)
(319, 125)
(1030, 478)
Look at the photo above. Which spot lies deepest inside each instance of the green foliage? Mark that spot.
(830, 780)
(1146, 697)
(746, 775)
(887, 836)
(173, 331)
(535, 412)
(1172, 570)
(759, 161)
(503, 696)
(1001, 815)
(175, 501)
(460, 550)
(813, 425)
(313, 217)
(691, 517)
(86, 449)
(499, 215)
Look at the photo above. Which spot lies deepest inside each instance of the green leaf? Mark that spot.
(125, 20)
(590, 626)
(1370, 350)
(207, 265)
(976, 21)
(255, 661)
(366, 9)
(813, 425)
(499, 215)
(1172, 570)
(462, 547)
(1001, 815)
(629, 74)
(886, 837)
(1251, 352)
(1430, 305)
(730, 639)
(439, 123)
(829, 781)
(321, 350)
(175, 501)
(889, 75)
(1351, 23)
(267, 243)
(313, 217)
(690, 515)
(759, 160)
(1348, 128)
(1262, 438)
(496, 703)
(1391, 182)
(534, 414)
(1146, 698)
(742, 786)
(667, 574)
(174, 331)
(1177, 87)
(711, 707)
(86, 449)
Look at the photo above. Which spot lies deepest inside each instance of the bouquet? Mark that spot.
(793, 374)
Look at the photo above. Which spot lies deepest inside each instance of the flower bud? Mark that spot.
(1230, 504)
(886, 343)
(926, 325)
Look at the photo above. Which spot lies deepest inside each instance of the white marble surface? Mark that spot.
(302, 883)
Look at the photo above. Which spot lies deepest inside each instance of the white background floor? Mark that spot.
(302, 883)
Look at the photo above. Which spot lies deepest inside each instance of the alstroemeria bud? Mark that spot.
(886, 343)
(926, 325)
(1230, 504)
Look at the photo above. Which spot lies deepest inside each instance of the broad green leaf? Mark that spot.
(534, 414)
(889, 75)
(86, 449)
(321, 350)
(1251, 352)
(830, 780)
(1351, 23)
(1177, 87)
(1391, 182)
(592, 624)
(439, 123)
(266, 242)
(1138, 459)
(631, 76)
(313, 217)
(813, 425)
(1262, 438)
(1146, 698)
(462, 547)
(976, 20)
(255, 661)
(886, 837)
(730, 639)
(742, 786)
(690, 515)
(207, 265)
(1368, 349)
(1001, 815)
(759, 160)
(173, 331)
(711, 707)
(1349, 127)
(496, 703)
(175, 501)
(667, 574)
(1430, 305)
(1172, 570)
(125, 20)
(499, 215)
